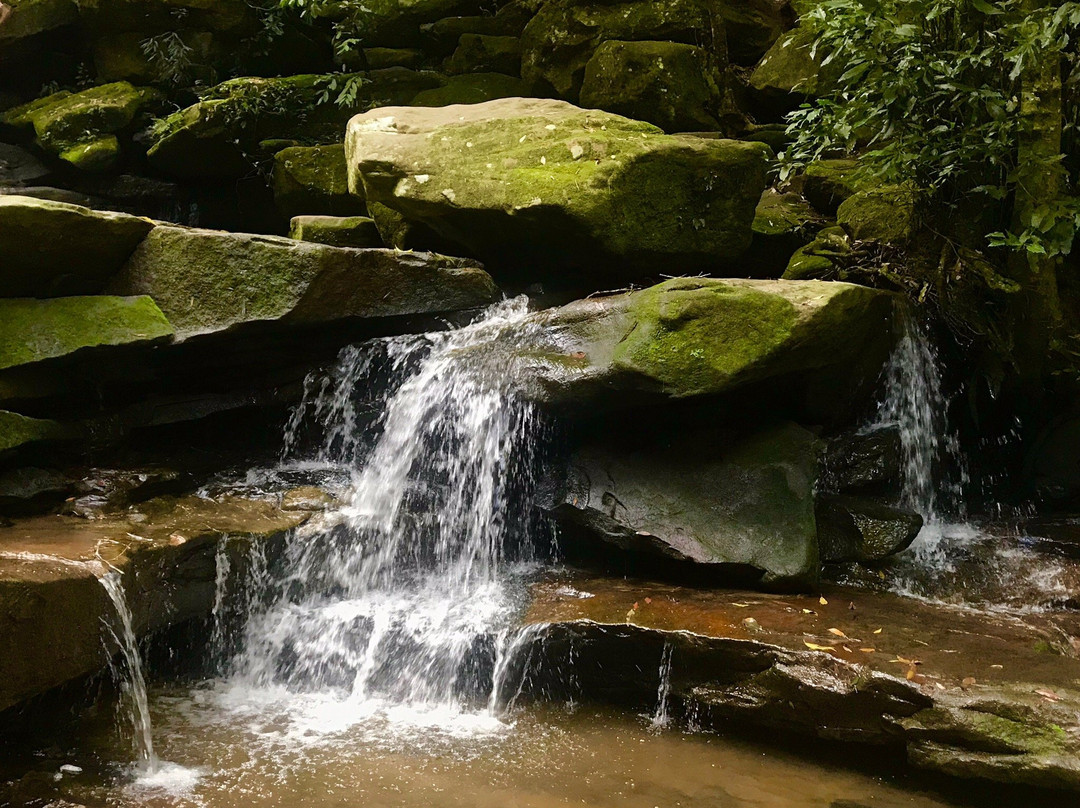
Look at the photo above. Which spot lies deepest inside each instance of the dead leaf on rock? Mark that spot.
(969, 681)
(838, 633)
(816, 647)
(822, 601)
(1049, 695)
(877, 631)
(868, 650)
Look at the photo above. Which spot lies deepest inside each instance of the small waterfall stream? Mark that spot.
(394, 608)
(135, 683)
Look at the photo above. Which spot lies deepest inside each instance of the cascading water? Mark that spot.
(135, 684)
(661, 716)
(393, 609)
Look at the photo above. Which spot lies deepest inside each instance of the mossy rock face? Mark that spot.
(678, 87)
(314, 180)
(529, 182)
(49, 249)
(790, 68)
(32, 17)
(472, 88)
(478, 53)
(716, 500)
(81, 127)
(442, 36)
(560, 40)
(336, 231)
(19, 430)
(888, 215)
(827, 183)
(693, 337)
(397, 23)
(820, 258)
(217, 137)
(206, 280)
(381, 58)
(35, 330)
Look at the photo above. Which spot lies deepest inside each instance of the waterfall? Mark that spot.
(661, 717)
(135, 684)
(395, 606)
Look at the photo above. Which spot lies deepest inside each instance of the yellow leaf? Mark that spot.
(877, 631)
(815, 647)
(822, 601)
(740, 605)
(838, 633)
(867, 650)
(910, 674)
(969, 681)
(808, 611)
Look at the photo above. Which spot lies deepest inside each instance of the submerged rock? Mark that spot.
(962, 692)
(50, 249)
(35, 330)
(693, 337)
(519, 182)
(207, 280)
(722, 500)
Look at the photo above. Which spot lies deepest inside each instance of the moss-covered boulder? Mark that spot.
(472, 88)
(206, 280)
(397, 23)
(479, 53)
(49, 249)
(560, 40)
(442, 36)
(792, 70)
(19, 430)
(540, 183)
(314, 180)
(381, 58)
(729, 503)
(678, 87)
(218, 137)
(336, 231)
(889, 214)
(783, 223)
(693, 337)
(827, 183)
(81, 127)
(32, 17)
(35, 330)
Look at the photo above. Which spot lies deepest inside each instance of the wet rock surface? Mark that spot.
(52, 607)
(966, 693)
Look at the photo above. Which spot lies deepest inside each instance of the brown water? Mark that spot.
(222, 757)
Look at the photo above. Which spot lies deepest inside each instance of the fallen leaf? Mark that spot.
(939, 685)
(999, 667)
(838, 633)
(808, 611)
(740, 605)
(1049, 695)
(822, 601)
(815, 647)
(867, 650)
(969, 681)
(877, 631)
(634, 607)
(648, 600)
(910, 674)
(630, 615)
(846, 648)
(851, 606)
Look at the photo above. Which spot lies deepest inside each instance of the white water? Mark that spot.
(392, 613)
(135, 683)
(661, 717)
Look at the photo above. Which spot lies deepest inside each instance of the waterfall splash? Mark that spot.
(135, 684)
(392, 611)
(661, 717)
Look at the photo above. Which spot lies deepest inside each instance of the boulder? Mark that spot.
(783, 223)
(397, 23)
(726, 501)
(381, 58)
(791, 71)
(336, 231)
(32, 17)
(822, 258)
(35, 330)
(216, 138)
(19, 430)
(827, 183)
(863, 462)
(471, 88)
(693, 337)
(81, 128)
(479, 53)
(862, 529)
(678, 87)
(523, 182)
(314, 180)
(560, 40)
(442, 36)
(51, 249)
(32, 490)
(206, 280)
(19, 167)
(889, 214)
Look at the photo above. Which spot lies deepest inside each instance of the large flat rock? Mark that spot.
(53, 609)
(207, 281)
(525, 183)
(50, 249)
(968, 693)
(694, 337)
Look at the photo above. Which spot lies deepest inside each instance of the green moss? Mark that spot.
(888, 215)
(18, 430)
(96, 155)
(336, 231)
(36, 16)
(35, 330)
(472, 88)
(314, 180)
